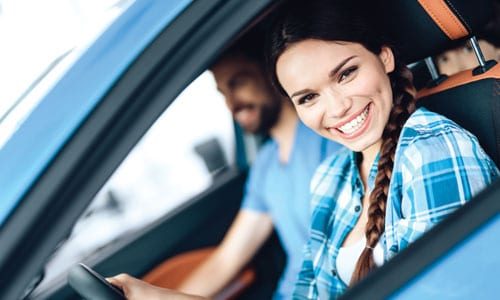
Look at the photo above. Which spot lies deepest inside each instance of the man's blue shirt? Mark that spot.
(282, 191)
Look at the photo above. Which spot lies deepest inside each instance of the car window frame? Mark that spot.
(61, 111)
(130, 107)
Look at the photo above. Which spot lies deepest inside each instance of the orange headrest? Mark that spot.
(423, 28)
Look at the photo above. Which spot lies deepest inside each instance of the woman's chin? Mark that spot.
(363, 145)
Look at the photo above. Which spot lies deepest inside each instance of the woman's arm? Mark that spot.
(439, 174)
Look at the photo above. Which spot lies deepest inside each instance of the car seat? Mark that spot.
(425, 28)
(172, 272)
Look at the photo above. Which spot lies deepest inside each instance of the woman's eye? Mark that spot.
(345, 74)
(306, 98)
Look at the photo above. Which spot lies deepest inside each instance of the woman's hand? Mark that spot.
(135, 289)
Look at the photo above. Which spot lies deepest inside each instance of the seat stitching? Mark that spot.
(439, 22)
(469, 29)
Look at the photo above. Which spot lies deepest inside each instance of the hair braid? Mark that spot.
(403, 107)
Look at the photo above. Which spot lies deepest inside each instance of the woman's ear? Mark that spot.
(387, 57)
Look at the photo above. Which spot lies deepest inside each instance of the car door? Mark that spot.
(163, 199)
(77, 135)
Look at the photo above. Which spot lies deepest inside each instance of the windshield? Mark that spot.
(41, 39)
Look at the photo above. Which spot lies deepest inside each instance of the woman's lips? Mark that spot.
(355, 126)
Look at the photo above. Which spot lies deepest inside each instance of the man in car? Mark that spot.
(277, 190)
(463, 57)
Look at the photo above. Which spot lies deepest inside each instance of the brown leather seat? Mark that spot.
(172, 272)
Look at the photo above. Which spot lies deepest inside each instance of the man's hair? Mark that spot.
(250, 45)
(491, 32)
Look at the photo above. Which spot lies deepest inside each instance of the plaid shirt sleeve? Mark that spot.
(305, 287)
(440, 172)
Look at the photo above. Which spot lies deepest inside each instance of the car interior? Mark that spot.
(441, 264)
(434, 266)
(166, 250)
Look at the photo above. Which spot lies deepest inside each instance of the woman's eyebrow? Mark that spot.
(300, 92)
(339, 66)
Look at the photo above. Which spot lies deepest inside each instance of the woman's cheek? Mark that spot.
(311, 118)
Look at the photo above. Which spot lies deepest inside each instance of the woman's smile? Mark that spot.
(355, 125)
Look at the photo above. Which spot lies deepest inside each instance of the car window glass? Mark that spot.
(178, 158)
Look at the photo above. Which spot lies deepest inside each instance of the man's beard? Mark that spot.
(268, 115)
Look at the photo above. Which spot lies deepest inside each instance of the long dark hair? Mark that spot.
(350, 21)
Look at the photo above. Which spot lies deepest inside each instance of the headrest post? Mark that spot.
(432, 68)
(477, 50)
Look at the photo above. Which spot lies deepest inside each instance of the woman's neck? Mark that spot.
(369, 155)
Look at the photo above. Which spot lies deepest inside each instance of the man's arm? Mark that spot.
(245, 236)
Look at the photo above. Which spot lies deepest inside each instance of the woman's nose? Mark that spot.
(337, 105)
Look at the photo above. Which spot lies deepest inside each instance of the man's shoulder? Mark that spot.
(266, 152)
(308, 138)
(306, 133)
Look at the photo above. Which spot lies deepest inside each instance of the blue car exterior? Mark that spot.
(59, 114)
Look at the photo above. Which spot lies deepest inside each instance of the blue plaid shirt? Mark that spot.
(438, 167)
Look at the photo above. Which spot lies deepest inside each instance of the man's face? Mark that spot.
(248, 95)
(463, 58)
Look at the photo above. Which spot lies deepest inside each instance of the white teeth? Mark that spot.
(355, 124)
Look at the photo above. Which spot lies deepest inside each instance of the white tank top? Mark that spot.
(348, 257)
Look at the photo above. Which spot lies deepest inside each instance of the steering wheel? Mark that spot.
(91, 285)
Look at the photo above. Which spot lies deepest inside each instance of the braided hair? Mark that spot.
(403, 107)
(340, 21)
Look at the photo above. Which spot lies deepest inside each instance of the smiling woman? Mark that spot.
(405, 170)
(358, 106)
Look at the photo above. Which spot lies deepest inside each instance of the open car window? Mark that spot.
(139, 69)
(180, 156)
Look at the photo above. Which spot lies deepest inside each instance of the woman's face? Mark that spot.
(339, 89)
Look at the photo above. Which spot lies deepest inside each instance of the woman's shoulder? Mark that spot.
(424, 121)
(429, 136)
(427, 127)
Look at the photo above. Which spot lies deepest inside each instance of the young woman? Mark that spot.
(404, 169)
